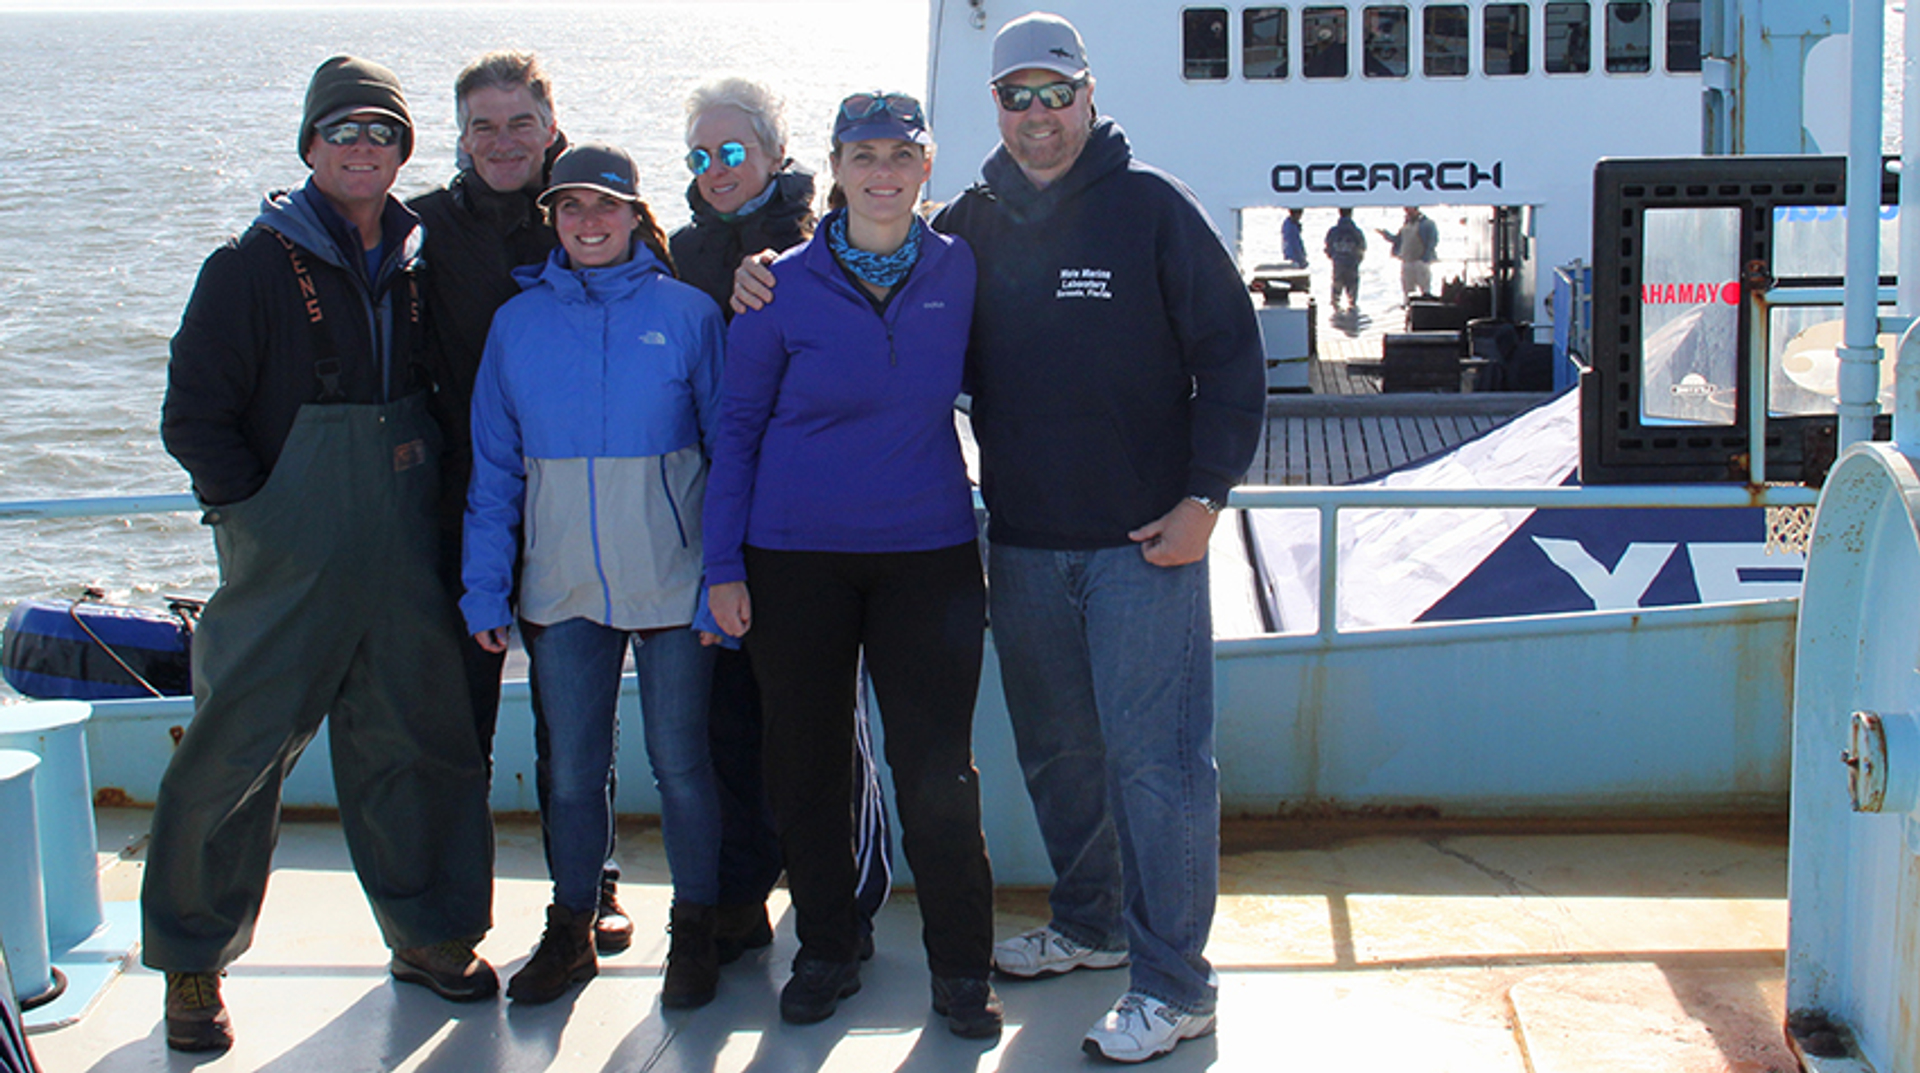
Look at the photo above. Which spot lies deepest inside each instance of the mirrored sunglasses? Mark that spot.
(732, 155)
(862, 105)
(1054, 95)
(348, 131)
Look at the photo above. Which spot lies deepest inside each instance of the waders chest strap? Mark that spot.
(326, 366)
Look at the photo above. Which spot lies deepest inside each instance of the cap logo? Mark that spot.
(612, 178)
(1062, 53)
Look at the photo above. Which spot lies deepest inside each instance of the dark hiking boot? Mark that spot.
(612, 928)
(196, 1018)
(450, 969)
(739, 928)
(693, 963)
(971, 1008)
(563, 958)
(816, 989)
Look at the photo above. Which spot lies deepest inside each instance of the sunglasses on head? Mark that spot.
(1054, 95)
(732, 155)
(862, 105)
(348, 131)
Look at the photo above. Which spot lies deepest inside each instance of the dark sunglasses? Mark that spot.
(348, 131)
(862, 105)
(732, 155)
(1054, 95)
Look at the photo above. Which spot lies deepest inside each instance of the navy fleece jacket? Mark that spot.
(836, 421)
(1116, 363)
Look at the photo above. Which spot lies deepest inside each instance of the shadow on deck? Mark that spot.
(1357, 947)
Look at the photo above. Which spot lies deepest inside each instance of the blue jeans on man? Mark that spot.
(578, 664)
(1107, 664)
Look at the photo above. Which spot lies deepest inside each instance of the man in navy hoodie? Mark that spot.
(1118, 394)
(1117, 387)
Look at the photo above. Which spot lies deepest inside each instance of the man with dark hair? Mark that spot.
(297, 402)
(482, 225)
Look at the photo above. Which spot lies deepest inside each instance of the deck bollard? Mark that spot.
(23, 917)
(55, 731)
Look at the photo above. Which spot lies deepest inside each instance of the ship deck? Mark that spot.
(1548, 949)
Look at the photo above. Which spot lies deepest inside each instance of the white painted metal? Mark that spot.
(55, 731)
(1860, 358)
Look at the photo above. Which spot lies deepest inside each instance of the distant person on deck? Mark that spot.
(297, 400)
(1118, 395)
(482, 225)
(747, 195)
(1293, 248)
(1417, 246)
(1346, 245)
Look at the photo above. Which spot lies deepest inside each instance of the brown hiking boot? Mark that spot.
(740, 927)
(612, 928)
(693, 963)
(196, 1018)
(450, 969)
(563, 958)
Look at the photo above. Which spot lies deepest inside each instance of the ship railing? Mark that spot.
(1327, 502)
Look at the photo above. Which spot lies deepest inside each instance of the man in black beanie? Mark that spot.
(297, 402)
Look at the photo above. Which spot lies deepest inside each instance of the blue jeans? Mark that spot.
(578, 665)
(1107, 663)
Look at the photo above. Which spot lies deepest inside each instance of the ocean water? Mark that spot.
(139, 140)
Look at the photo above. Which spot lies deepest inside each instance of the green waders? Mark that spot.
(329, 604)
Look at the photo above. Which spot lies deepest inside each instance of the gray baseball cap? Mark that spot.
(1039, 39)
(589, 166)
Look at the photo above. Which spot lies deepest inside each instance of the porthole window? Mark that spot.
(1629, 37)
(1385, 41)
(1504, 39)
(1569, 39)
(1323, 42)
(1444, 40)
(1263, 42)
(1683, 36)
(1203, 43)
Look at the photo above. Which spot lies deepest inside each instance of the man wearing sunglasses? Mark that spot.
(482, 225)
(297, 402)
(1117, 396)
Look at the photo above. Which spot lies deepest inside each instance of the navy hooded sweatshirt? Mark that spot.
(1116, 364)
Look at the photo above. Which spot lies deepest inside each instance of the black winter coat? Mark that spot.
(476, 237)
(281, 317)
(706, 251)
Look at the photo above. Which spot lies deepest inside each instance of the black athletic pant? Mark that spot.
(921, 617)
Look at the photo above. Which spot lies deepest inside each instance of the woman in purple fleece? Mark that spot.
(838, 515)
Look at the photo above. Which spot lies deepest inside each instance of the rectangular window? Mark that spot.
(1690, 316)
(1506, 43)
(1385, 41)
(1445, 41)
(1683, 36)
(1629, 37)
(1263, 42)
(1569, 38)
(1323, 42)
(1203, 43)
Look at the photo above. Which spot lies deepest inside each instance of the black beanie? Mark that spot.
(344, 83)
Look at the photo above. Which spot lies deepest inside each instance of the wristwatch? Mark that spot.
(1209, 504)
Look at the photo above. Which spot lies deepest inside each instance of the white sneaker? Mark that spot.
(1139, 1028)
(1045, 952)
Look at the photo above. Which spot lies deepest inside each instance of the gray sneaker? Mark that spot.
(1139, 1028)
(1045, 952)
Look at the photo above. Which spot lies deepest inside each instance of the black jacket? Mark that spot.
(476, 237)
(1116, 363)
(706, 251)
(254, 347)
